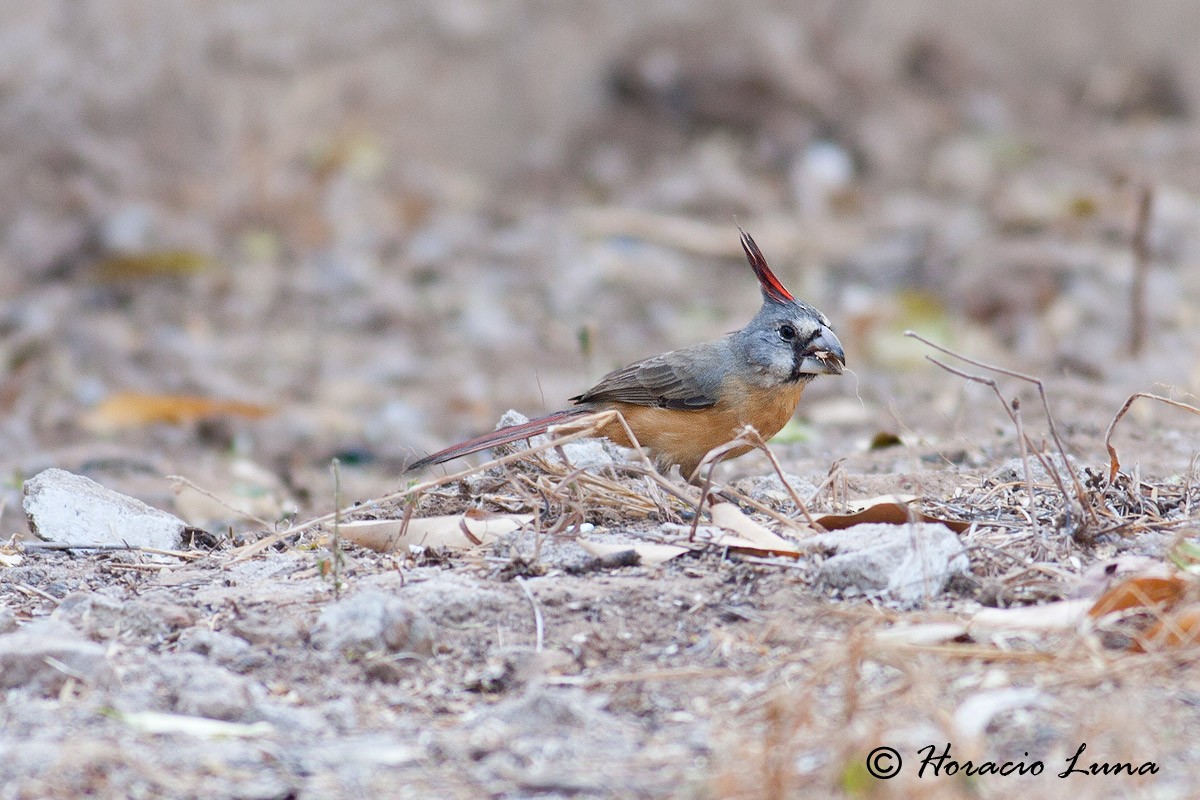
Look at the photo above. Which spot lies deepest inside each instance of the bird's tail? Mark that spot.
(500, 436)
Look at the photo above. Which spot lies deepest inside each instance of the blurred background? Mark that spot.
(238, 239)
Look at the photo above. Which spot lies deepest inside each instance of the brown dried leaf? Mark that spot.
(133, 409)
(1175, 630)
(156, 264)
(921, 634)
(888, 509)
(883, 440)
(1142, 591)
(751, 536)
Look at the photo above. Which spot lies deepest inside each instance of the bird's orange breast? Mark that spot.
(684, 437)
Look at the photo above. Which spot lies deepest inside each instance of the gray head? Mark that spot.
(788, 340)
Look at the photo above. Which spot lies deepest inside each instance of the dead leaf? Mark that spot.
(1059, 616)
(1175, 630)
(455, 531)
(1141, 592)
(883, 440)
(155, 264)
(710, 534)
(157, 722)
(751, 536)
(888, 509)
(920, 635)
(133, 409)
(651, 553)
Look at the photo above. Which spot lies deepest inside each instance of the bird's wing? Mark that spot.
(680, 380)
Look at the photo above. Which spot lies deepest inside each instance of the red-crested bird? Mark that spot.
(682, 404)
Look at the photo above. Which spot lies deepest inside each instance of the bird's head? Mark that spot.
(788, 340)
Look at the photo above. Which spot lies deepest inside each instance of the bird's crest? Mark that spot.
(771, 287)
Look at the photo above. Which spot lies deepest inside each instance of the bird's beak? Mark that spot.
(823, 355)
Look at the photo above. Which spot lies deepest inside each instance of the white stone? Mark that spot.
(907, 563)
(71, 509)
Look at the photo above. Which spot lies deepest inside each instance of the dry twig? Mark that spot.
(178, 482)
(757, 440)
(1051, 469)
(538, 622)
(1114, 462)
(104, 546)
(1141, 266)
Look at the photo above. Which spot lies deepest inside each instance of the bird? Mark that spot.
(684, 403)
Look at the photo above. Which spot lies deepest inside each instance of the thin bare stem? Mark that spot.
(835, 469)
(108, 546)
(761, 444)
(1114, 462)
(34, 591)
(178, 482)
(1041, 389)
(762, 508)
(1023, 440)
(712, 458)
(1016, 415)
(337, 554)
(1141, 266)
(538, 622)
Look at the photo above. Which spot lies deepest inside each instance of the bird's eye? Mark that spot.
(787, 333)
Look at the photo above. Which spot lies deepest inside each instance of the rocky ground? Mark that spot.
(254, 262)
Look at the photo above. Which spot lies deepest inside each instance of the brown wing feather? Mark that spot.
(666, 381)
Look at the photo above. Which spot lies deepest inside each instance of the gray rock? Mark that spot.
(45, 655)
(229, 651)
(550, 736)
(189, 684)
(507, 420)
(96, 616)
(510, 668)
(214, 692)
(586, 454)
(71, 509)
(582, 453)
(450, 599)
(371, 622)
(265, 629)
(101, 618)
(907, 563)
(770, 490)
(552, 552)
